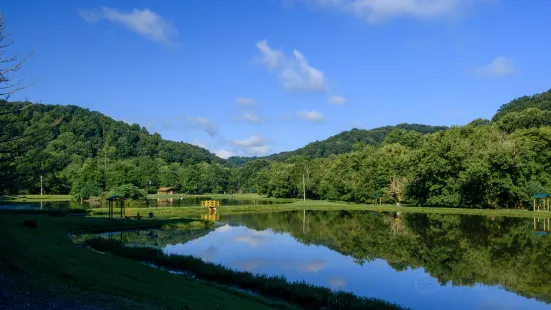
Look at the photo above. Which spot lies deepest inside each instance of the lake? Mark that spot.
(422, 261)
(178, 201)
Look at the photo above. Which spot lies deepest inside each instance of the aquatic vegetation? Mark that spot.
(300, 294)
(190, 225)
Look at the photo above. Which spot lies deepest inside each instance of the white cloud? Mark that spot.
(255, 145)
(249, 265)
(338, 100)
(224, 228)
(252, 240)
(202, 124)
(500, 66)
(144, 22)
(294, 72)
(251, 117)
(337, 283)
(376, 11)
(271, 58)
(252, 141)
(247, 116)
(259, 150)
(199, 144)
(245, 101)
(314, 265)
(223, 153)
(311, 116)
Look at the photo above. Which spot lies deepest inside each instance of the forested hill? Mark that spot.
(70, 139)
(541, 101)
(88, 134)
(342, 143)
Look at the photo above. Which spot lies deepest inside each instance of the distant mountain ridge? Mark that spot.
(89, 132)
(341, 143)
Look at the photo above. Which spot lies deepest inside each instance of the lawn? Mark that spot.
(50, 262)
(217, 196)
(321, 205)
(295, 204)
(35, 198)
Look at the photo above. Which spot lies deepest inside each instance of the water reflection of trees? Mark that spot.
(461, 250)
(158, 238)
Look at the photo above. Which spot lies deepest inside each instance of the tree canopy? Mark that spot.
(484, 164)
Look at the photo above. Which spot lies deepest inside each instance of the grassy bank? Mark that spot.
(49, 261)
(300, 294)
(34, 198)
(217, 196)
(175, 212)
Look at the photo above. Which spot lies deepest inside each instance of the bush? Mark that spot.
(301, 294)
(189, 226)
(128, 191)
(89, 189)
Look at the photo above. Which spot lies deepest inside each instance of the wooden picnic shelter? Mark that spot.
(113, 201)
(541, 202)
(377, 199)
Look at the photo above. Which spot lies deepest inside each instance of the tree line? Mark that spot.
(484, 164)
(454, 249)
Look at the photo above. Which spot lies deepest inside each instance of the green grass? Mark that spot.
(47, 259)
(35, 198)
(218, 196)
(190, 225)
(301, 294)
(321, 205)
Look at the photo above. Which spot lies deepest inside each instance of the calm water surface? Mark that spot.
(415, 260)
(174, 202)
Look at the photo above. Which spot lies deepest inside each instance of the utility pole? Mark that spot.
(303, 188)
(41, 192)
(303, 220)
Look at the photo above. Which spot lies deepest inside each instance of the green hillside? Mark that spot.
(341, 143)
(72, 136)
(541, 101)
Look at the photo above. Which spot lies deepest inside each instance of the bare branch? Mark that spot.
(16, 64)
(8, 94)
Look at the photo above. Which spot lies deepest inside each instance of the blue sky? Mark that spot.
(253, 77)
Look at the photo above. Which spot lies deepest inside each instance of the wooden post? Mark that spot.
(303, 220)
(303, 187)
(534, 224)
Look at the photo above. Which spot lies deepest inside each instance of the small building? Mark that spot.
(166, 190)
(112, 202)
(541, 202)
(377, 199)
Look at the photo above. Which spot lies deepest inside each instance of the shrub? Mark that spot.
(304, 295)
(128, 191)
